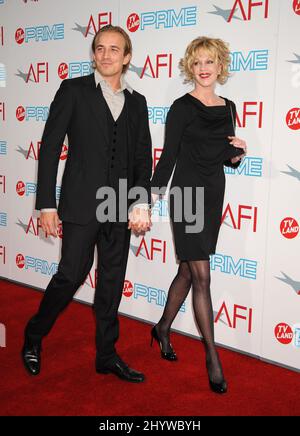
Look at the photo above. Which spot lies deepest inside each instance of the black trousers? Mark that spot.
(77, 255)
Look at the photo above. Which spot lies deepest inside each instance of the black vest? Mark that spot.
(117, 149)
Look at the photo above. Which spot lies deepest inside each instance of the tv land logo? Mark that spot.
(33, 152)
(29, 188)
(289, 228)
(28, 113)
(149, 294)
(232, 316)
(40, 33)
(37, 73)
(294, 284)
(247, 9)
(33, 226)
(36, 264)
(244, 213)
(74, 69)
(293, 118)
(296, 7)
(292, 172)
(162, 19)
(94, 24)
(127, 289)
(285, 334)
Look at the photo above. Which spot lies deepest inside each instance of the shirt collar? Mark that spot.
(100, 80)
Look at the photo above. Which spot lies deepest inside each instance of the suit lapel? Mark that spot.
(131, 117)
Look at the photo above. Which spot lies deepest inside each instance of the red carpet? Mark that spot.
(68, 384)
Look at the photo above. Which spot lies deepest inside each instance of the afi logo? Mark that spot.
(161, 61)
(156, 156)
(296, 7)
(293, 118)
(91, 279)
(35, 72)
(156, 246)
(289, 228)
(127, 288)
(240, 216)
(2, 183)
(2, 110)
(103, 19)
(238, 313)
(246, 7)
(3, 254)
(34, 227)
(283, 333)
(257, 112)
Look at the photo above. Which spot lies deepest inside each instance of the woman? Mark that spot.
(199, 139)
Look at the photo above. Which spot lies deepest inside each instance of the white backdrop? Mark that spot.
(255, 273)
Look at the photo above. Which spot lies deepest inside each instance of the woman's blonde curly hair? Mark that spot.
(217, 48)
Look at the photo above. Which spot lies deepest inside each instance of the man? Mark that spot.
(109, 139)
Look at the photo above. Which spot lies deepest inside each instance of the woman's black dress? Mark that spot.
(196, 140)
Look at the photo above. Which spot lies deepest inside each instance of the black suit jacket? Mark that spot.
(79, 111)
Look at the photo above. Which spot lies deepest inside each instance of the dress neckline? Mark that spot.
(204, 105)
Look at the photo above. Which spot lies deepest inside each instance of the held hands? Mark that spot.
(240, 143)
(139, 220)
(50, 222)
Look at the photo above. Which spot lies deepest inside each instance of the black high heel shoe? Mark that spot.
(218, 388)
(171, 355)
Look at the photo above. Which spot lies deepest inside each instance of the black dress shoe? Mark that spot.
(31, 355)
(168, 355)
(121, 370)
